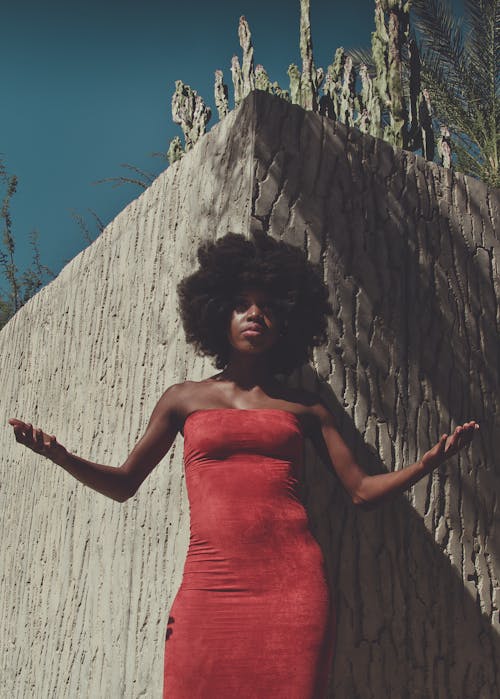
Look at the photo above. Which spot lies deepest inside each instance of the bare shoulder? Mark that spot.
(172, 394)
(178, 398)
(321, 413)
(308, 406)
(172, 399)
(313, 408)
(178, 390)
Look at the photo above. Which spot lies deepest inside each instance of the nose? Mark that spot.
(254, 313)
(254, 309)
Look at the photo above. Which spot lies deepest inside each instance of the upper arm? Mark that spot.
(338, 453)
(156, 440)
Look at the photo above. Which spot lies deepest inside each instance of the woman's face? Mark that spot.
(254, 326)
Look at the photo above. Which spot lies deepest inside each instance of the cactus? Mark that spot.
(243, 77)
(420, 133)
(333, 85)
(237, 80)
(408, 128)
(221, 94)
(364, 121)
(369, 106)
(386, 49)
(311, 78)
(247, 70)
(348, 94)
(262, 81)
(415, 66)
(380, 99)
(380, 41)
(294, 75)
(175, 150)
(190, 111)
(202, 114)
(425, 122)
(398, 32)
(444, 147)
(277, 90)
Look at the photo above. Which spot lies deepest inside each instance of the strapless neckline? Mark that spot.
(246, 410)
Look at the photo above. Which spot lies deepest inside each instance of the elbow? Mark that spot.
(358, 495)
(127, 490)
(362, 501)
(362, 504)
(127, 494)
(357, 500)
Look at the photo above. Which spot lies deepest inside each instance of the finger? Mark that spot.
(34, 440)
(38, 437)
(451, 444)
(15, 421)
(19, 433)
(26, 434)
(457, 434)
(464, 436)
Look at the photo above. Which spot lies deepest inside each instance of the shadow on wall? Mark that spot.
(408, 251)
(408, 625)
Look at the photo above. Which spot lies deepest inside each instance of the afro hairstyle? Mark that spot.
(232, 263)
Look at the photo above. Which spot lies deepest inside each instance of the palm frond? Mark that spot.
(482, 46)
(452, 110)
(363, 56)
(441, 36)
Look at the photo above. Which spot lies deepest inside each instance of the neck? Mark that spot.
(249, 371)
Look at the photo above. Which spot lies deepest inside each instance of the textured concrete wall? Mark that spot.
(411, 259)
(410, 255)
(86, 582)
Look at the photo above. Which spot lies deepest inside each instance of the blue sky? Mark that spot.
(87, 86)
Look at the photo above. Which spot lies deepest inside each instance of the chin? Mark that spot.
(252, 347)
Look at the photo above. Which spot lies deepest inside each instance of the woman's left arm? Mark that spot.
(366, 490)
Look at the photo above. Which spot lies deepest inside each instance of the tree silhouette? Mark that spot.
(20, 288)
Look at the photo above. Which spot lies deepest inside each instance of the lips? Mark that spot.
(253, 329)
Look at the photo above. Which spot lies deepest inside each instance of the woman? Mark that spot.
(253, 617)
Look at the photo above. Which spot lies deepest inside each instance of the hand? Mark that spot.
(449, 445)
(38, 441)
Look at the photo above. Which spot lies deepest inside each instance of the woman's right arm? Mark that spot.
(117, 483)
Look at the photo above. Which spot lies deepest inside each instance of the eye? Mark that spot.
(240, 303)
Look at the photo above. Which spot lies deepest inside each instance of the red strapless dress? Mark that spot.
(252, 618)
